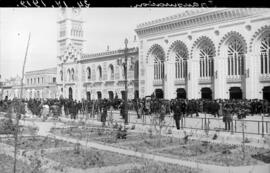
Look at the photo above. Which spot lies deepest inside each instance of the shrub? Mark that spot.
(7, 126)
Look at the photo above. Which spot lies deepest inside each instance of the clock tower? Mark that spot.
(70, 34)
(70, 39)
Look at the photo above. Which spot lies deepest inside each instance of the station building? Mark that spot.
(95, 75)
(206, 53)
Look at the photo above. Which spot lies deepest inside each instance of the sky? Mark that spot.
(102, 27)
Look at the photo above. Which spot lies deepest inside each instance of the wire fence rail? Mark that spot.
(253, 127)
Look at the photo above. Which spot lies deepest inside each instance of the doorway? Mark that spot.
(136, 94)
(266, 93)
(123, 94)
(159, 93)
(110, 95)
(206, 93)
(70, 96)
(181, 93)
(99, 95)
(88, 96)
(236, 93)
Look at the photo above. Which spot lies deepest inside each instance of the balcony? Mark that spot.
(157, 82)
(180, 81)
(264, 78)
(97, 83)
(109, 82)
(234, 79)
(205, 80)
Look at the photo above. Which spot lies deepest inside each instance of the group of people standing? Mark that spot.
(149, 105)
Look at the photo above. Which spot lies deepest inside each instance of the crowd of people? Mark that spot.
(143, 107)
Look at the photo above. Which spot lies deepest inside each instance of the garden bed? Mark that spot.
(80, 133)
(217, 154)
(109, 136)
(6, 165)
(263, 156)
(153, 144)
(90, 158)
(37, 142)
(158, 167)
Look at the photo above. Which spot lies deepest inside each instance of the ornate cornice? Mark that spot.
(109, 53)
(43, 71)
(256, 34)
(191, 19)
(232, 34)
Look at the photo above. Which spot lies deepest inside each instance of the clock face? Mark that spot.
(76, 11)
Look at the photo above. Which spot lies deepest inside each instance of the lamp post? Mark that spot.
(126, 87)
(124, 64)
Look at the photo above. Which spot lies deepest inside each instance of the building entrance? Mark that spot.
(70, 93)
(123, 94)
(88, 95)
(99, 95)
(159, 93)
(206, 93)
(181, 93)
(136, 94)
(110, 95)
(266, 93)
(236, 93)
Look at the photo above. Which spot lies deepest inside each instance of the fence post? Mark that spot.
(258, 127)
(202, 123)
(266, 126)
(262, 125)
(231, 126)
(208, 127)
(234, 126)
(205, 124)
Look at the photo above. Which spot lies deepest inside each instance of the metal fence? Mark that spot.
(254, 127)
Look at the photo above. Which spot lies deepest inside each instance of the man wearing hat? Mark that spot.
(177, 112)
(227, 118)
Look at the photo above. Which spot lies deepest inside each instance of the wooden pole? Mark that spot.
(17, 116)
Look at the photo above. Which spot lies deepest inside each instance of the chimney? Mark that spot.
(108, 48)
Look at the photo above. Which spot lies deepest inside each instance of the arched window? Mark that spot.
(31, 81)
(72, 74)
(180, 63)
(158, 68)
(235, 57)
(265, 54)
(206, 61)
(38, 80)
(88, 73)
(61, 76)
(68, 75)
(159, 57)
(123, 71)
(28, 81)
(100, 73)
(111, 72)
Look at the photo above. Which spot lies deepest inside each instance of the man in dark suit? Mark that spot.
(177, 112)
